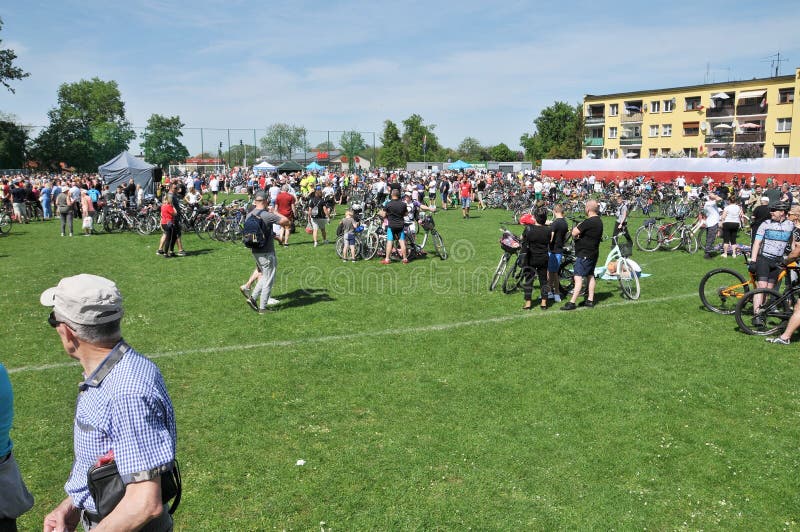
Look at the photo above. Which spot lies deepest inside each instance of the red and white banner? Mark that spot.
(666, 169)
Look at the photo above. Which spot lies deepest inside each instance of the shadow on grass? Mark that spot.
(302, 298)
(193, 252)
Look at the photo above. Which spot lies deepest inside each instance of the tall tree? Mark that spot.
(559, 126)
(87, 128)
(9, 72)
(282, 139)
(161, 140)
(12, 144)
(351, 143)
(325, 145)
(391, 155)
(501, 152)
(470, 149)
(418, 139)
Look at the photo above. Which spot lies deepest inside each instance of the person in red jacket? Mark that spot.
(168, 214)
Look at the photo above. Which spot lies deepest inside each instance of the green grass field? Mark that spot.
(417, 398)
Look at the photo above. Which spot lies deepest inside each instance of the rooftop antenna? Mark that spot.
(775, 63)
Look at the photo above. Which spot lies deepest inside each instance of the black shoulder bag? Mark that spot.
(107, 488)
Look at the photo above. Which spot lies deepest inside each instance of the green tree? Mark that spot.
(352, 143)
(561, 126)
(501, 152)
(743, 151)
(283, 139)
(391, 155)
(416, 136)
(161, 140)
(325, 145)
(12, 145)
(87, 128)
(470, 150)
(9, 72)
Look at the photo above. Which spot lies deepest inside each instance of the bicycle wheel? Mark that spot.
(5, 224)
(647, 238)
(438, 244)
(689, 241)
(721, 289)
(513, 279)
(628, 279)
(672, 240)
(340, 247)
(369, 245)
(499, 271)
(772, 314)
(566, 277)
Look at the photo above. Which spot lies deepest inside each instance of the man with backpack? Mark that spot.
(257, 235)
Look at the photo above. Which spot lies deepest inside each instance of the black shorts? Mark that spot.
(767, 269)
(584, 267)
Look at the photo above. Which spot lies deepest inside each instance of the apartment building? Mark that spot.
(695, 121)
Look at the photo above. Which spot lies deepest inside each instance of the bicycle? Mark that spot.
(624, 270)
(429, 225)
(722, 288)
(511, 246)
(670, 236)
(773, 313)
(5, 223)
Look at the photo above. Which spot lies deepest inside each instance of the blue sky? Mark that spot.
(472, 68)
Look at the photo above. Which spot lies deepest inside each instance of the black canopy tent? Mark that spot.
(289, 166)
(123, 167)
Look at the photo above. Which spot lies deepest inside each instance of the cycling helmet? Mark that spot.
(779, 206)
(527, 219)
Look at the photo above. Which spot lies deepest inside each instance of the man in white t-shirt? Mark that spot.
(711, 216)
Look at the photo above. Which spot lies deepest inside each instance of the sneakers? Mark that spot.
(569, 305)
(245, 291)
(758, 321)
(325, 242)
(158, 252)
(557, 298)
(588, 303)
(181, 253)
(272, 302)
(253, 304)
(777, 340)
(315, 244)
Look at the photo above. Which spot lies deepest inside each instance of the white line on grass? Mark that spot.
(350, 336)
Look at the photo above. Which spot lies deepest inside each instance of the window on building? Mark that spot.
(613, 109)
(653, 153)
(690, 152)
(692, 103)
(665, 152)
(655, 106)
(669, 105)
(612, 154)
(786, 95)
(666, 130)
(784, 124)
(781, 152)
(612, 132)
(654, 131)
(691, 129)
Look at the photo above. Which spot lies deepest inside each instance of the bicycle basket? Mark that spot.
(626, 248)
(427, 222)
(510, 243)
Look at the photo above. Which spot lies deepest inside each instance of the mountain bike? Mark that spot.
(670, 236)
(772, 314)
(722, 288)
(5, 223)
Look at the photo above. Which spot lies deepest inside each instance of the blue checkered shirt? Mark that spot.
(123, 405)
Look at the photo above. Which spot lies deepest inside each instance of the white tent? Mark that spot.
(264, 167)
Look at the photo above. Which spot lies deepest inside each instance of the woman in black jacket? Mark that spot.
(535, 240)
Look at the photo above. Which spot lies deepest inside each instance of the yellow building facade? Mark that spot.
(695, 121)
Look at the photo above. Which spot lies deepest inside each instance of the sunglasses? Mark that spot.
(51, 319)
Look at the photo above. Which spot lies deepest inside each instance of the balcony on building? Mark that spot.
(593, 141)
(751, 136)
(633, 111)
(595, 114)
(721, 104)
(630, 141)
(722, 138)
(752, 103)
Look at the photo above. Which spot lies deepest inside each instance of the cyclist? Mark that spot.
(770, 243)
(794, 320)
